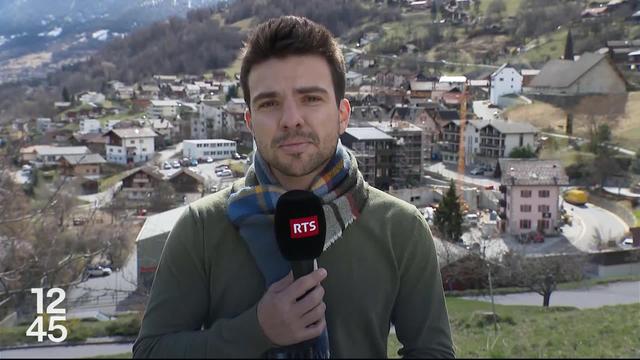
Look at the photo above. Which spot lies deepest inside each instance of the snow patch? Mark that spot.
(101, 35)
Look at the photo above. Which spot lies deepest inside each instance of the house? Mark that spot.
(421, 90)
(373, 150)
(409, 151)
(192, 91)
(125, 93)
(130, 145)
(531, 191)
(81, 165)
(528, 75)
(88, 126)
(353, 79)
(215, 148)
(49, 155)
(62, 105)
(448, 83)
(634, 60)
(94, 141)
(594, 12)
(91, 97)
(486, 140)
(364, 114)
(186, 181)
(139, 184)
(43, 124)
(420, 5)
(167, 109)
(591, 74)
(148, 92)
(504, 81)
(164, 128)
(236, 106)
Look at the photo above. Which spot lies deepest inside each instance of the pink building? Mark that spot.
(532, 194)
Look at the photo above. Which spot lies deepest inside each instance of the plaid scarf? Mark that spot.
(251, 209)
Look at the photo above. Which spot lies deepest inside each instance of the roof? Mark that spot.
(421, 85)
(634, 53)
(387, 126)
(509, 127)
(563, 73)
(146, 169)
(453, 79)
(532, 172)
(160, 224)
(529, 72)
(133, 132)
(60, 150)
(624, 43)
(84, 159)
(164, 102)
(367, 133)
(187, 172)
(208, 141)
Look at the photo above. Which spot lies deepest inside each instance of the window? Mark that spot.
(119, 150)
(525, 224)
(111, 150)
(140, 141)
(144, 149)
(543, 224)
(525, 208)
(132, 142)
(543, 208)
(543, 193)
(525, 193)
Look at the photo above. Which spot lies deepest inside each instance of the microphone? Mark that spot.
(300, 228)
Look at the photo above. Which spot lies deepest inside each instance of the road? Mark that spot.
(102, 199)
(592, 222)
(168, 153)
(62, 352)
(593, 297)
(104, 294)
(441, 169)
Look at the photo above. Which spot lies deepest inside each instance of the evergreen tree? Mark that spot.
(434, 11)
(448, 216)
(568, 47)
(65, 94)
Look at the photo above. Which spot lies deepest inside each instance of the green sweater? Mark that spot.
(383, 270)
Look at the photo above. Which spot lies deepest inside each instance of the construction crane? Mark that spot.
(461, 141)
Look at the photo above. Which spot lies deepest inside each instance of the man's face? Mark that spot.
(294, 117)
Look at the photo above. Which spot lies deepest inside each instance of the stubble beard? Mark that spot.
(297, 165)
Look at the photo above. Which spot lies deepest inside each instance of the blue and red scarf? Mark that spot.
(343, 192)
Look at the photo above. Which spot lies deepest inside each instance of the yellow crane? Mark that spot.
(461, 141)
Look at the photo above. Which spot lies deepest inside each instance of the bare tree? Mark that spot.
(541, 273)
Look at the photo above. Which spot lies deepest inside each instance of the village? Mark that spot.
(138, 153)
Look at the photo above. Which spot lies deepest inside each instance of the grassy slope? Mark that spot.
(537, 332)
(511, 5)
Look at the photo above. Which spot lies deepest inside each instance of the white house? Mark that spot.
(43, 124)
(89, 126)
(49, 155)
(504, 81)
(163, 109)
(214, 148)
(236, 105)
(213, 120)
(91, 97)
(354, 79)
(111, 124)
(130, 145)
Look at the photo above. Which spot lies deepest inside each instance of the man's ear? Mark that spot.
(247, 119)
(344, 111)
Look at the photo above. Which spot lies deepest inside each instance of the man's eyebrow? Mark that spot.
(264, 95)
(311, 89)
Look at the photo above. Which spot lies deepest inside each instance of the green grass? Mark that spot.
(535, 332)
(637, 214)
(511, 5)
(78, 331)
(550, 46)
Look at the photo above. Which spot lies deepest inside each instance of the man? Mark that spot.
(223, 290)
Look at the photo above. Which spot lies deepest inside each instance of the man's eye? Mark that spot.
(312, 98)
(267, 104)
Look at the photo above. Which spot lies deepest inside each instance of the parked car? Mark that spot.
(166, 165)
(193, 162)
(477, 171)
(627, 242)
(236, 156)
(209, 160)
(97, 271)
(175, 164)
(224, 173)
(81, 220)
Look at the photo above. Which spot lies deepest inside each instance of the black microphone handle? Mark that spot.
(302, 267)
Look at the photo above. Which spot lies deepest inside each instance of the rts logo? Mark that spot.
(304, 227)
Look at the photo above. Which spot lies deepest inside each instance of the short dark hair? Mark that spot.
(292, 35)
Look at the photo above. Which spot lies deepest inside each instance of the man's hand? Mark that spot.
(286, 321)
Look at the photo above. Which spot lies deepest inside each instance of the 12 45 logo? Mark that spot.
(55, 332)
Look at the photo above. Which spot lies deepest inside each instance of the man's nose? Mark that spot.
(291, 115)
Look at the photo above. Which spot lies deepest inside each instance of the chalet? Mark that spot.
(139, 184)
(49, 155)
(186, 181)
(505, 81)
(130, 146)
(81, 165)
